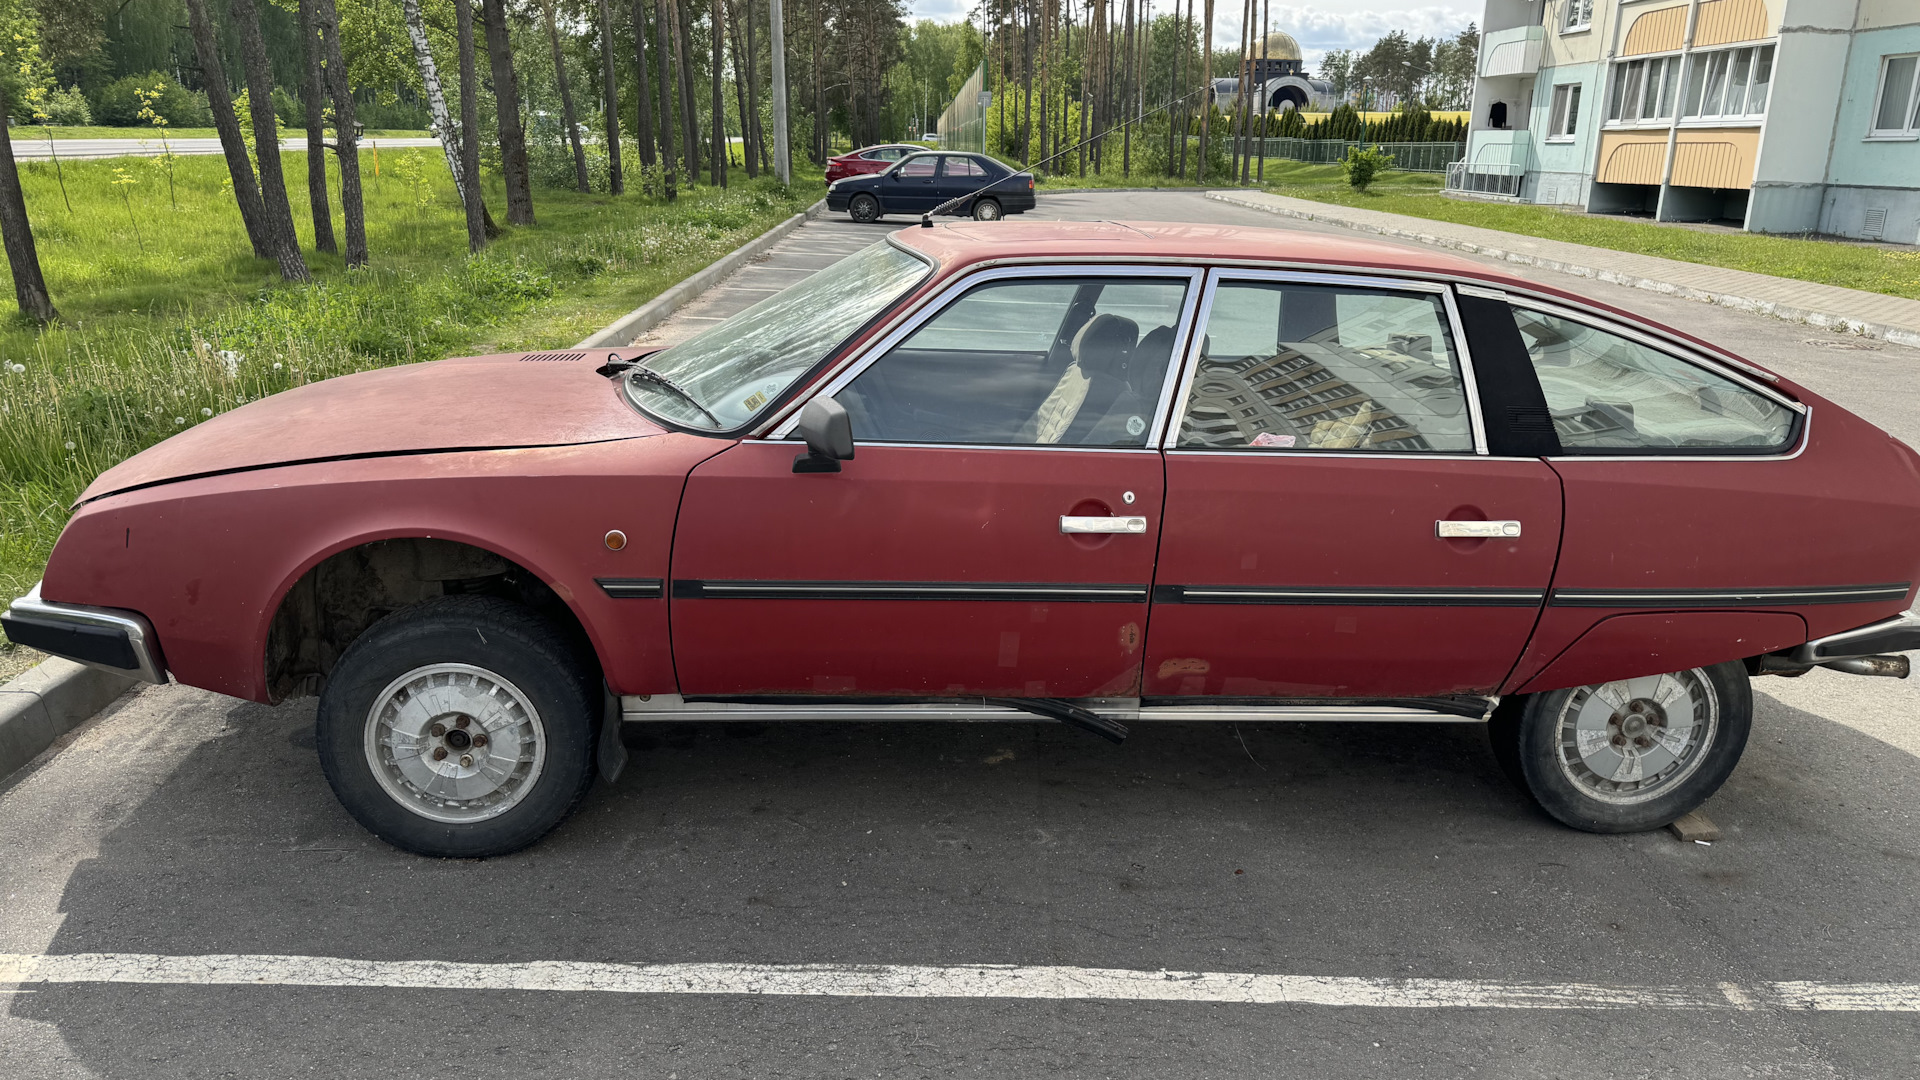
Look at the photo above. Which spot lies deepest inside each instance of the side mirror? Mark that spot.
(828, 430)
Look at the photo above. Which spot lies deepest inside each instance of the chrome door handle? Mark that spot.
(1107, 525)
(1476, 530)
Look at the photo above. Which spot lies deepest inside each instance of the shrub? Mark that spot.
(1361, 165)
(117, 105)
(67, 107)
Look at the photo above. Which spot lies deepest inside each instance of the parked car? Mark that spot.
(1090, 473)
(871, 159)
(923, 182)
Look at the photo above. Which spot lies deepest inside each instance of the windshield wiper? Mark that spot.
(654, 377)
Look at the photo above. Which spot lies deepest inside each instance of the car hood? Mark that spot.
(512, 400)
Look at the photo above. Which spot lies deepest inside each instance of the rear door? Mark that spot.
(1335, 525)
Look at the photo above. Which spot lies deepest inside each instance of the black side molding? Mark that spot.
(636, 588)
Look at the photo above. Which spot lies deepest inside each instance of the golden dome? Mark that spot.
(1281, 46)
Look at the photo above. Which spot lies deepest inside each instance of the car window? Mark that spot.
(1027, 362)
(964, 167)
(1608, 393)
(888, 153)
(918, 167)
(1315, 367)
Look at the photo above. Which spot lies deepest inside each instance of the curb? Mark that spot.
(47, 701)
(623, 330)
(1826, 320)
(1112, 190)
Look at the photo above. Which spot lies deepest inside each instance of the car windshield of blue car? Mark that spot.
(722, 378)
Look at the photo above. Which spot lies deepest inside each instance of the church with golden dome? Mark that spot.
(1276, 71)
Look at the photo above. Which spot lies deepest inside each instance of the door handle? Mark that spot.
(1476, 530)
(1105, 525)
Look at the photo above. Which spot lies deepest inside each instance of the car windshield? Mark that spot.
(720, 379)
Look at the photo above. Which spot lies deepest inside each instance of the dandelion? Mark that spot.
(19, 369)
(178, 420)
(206, 412)
(276, 365)
(69, 444)
(229, 362)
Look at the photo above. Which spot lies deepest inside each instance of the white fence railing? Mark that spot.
(1486, 178)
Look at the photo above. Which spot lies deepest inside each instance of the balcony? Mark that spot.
(1512, 52)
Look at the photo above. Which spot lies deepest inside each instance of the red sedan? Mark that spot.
(873, 159)
(1096, 474)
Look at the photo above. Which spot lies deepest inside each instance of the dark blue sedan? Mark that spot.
(986, 188)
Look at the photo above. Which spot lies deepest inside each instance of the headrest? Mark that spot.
(1105, 344)
(1157, 345)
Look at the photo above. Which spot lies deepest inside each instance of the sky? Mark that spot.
(1352, 24)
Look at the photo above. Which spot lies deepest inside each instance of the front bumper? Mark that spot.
(107, 638)
(1898, 634)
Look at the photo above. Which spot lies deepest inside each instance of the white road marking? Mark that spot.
(916, 981)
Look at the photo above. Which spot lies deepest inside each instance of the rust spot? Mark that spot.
(1130, 637)
(1184, 665)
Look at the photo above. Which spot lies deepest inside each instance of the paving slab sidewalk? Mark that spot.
(1875, 315)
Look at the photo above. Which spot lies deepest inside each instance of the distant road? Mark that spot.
(74, 149)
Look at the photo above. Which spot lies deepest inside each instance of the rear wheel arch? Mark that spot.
(339, 594)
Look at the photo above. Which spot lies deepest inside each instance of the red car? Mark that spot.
(1089, 473)
(873, 159)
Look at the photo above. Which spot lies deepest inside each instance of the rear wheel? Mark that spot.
(986, 210)
(1631, 755)
(864, 209)
(462, 727)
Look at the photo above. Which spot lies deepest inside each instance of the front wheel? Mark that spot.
(463, 727)
(864, 209)
(986, 210)
(1631, 755)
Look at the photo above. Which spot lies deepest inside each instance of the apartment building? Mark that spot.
(1785, 116)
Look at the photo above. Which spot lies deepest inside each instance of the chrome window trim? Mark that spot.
(1191, 362)
(939, 302)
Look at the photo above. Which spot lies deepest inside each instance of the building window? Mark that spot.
(1644, 90)
(1896, 113)
(1579, 14)
(1729, 83)
(1566, 111)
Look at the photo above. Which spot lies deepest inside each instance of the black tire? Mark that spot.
(506, 644)
(864, 209)
(987, 210)
(1542, 742)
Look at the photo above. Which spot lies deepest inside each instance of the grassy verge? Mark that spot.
(169, 320)
(30, 133)
(1852, 266)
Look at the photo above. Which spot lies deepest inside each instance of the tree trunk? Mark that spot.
(740, 94)
(311, 91)
(442, 122)
(1265, 25)
(1234, 159)
(1206, 94)
(643, 96)
(689, 118)
(239, 163)
(667, 162)
(506, 99)
(474, 204)
(757, 136)
(1181, 80)
(567, 115)
(717, 166)
(610, 86)
(278, 219)
(346, 139)
(29, 287)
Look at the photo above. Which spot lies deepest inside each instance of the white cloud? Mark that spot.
(1355, 25)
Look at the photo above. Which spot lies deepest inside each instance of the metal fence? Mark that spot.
(1407, 156)
(963, 126)
(1486, 178)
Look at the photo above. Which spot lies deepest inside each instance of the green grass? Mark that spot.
(168, 319)
(34, 133)
(1852, 266)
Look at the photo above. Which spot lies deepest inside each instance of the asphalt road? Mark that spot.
(181, 823)
(29, 149)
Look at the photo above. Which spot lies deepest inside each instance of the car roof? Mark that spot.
(957, 244)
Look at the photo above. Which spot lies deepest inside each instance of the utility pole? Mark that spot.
(782, 165)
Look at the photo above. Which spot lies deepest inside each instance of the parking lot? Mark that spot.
(1329, 868)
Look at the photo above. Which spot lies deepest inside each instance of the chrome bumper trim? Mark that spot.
(45, 623)
(1898, 634)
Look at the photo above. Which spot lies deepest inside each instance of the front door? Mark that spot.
(1332, 528)
(994, 534)
(912, 186)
